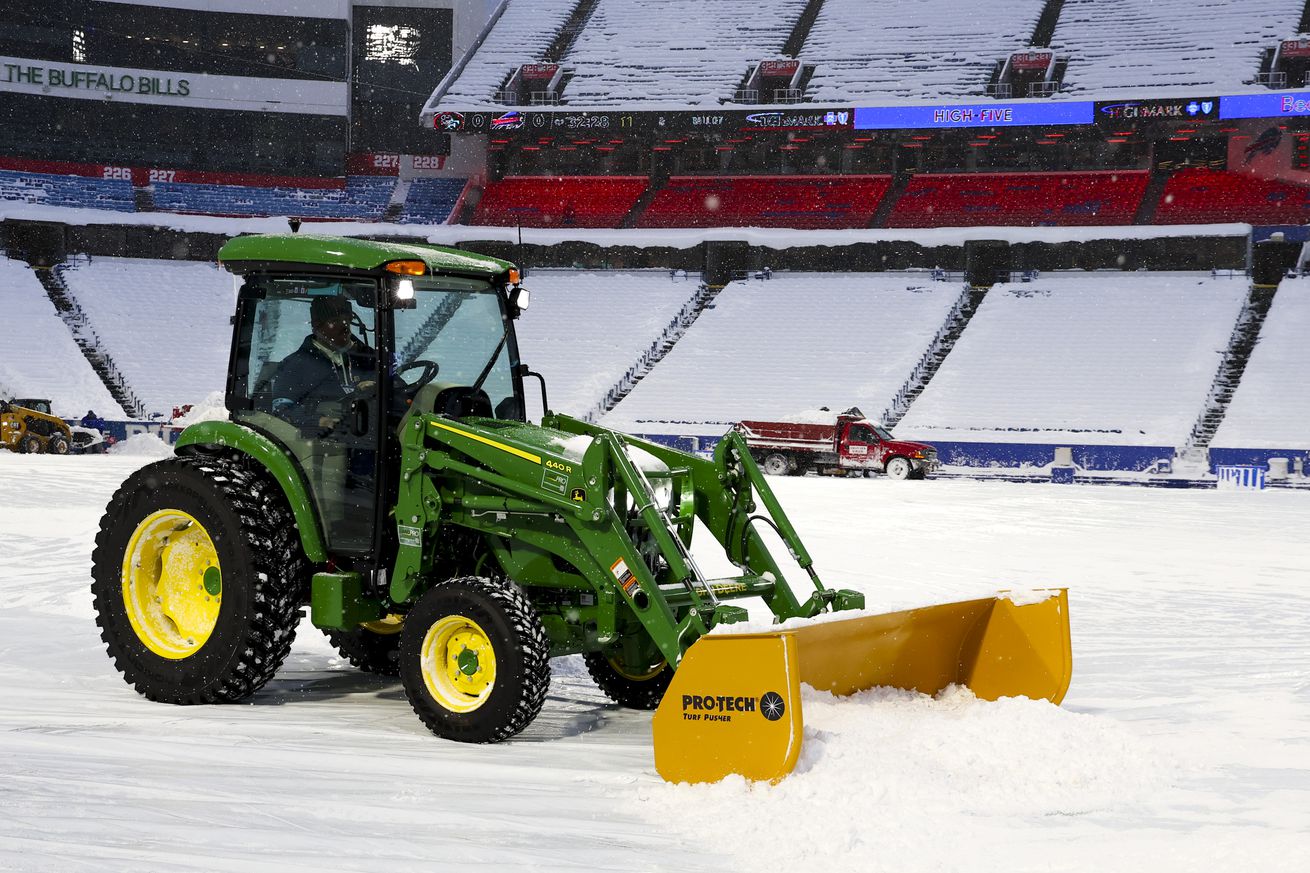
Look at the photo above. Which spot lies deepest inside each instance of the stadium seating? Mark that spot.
(430, 200)
(772, 349)
(1109, 359)
(912, 49)
(364, 198)
(559, 201)
(1023, 199)
(521, 35)
(1132, 47)
(1271, 407)
(766, 201)
(1197, 196)
(682, 52)
(74, 191)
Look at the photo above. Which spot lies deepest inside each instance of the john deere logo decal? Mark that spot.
(771, 706)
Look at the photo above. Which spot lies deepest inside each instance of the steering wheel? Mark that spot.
(429, 373)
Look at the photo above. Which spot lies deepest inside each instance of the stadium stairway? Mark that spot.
(1151, 197)
(144, 199)
(900, 181)
(663, 344)
(1229, 375)
(971, 297)
(568, 33)
(87, 341)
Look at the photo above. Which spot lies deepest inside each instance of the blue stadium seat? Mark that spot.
(73, 191)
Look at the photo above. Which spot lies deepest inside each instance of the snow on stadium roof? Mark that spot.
(658, 54)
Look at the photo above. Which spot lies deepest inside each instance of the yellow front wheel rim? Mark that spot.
(458, 663)
(634, 675)
(172, 584)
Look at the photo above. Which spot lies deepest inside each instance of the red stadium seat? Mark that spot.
(1197, 196)
(812, 202)
(559, 201)
(1020, 199)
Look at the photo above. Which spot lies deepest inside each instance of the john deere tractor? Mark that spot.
(378, 468)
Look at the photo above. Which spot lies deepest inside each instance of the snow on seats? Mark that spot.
(913, 49)
(1105, 359)
(1134, 46)
(520, 36)
(165, 324)
(585, 329)
(776, 348)
(48, 189)
(675, 52)
(39, 357)
(1271, 407)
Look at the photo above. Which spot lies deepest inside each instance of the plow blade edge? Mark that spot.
(734, 705)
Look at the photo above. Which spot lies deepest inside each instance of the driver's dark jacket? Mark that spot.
(309, 377)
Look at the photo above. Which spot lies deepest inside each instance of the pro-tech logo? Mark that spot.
(722, 707)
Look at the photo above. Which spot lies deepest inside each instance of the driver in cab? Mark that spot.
(313, 382)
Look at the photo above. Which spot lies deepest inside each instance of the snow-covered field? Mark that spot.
(1184, 743)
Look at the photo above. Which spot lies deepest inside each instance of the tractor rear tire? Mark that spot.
(475, 660)
(372, 647)
(57, 445)
(633, 690)
(197, 579)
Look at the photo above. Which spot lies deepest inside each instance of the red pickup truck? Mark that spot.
(852, 443)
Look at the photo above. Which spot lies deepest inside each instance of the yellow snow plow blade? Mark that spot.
(734, 705)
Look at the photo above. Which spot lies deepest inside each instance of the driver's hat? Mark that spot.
(324, 309)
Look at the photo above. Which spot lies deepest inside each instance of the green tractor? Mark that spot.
(378, 467)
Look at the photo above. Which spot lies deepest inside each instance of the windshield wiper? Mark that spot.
(491, 362)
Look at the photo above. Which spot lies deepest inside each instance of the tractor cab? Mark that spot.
(328, 359)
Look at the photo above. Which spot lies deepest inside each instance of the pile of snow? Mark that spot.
(892, 780)
(212, 408)
(1107, 359)
(165, 324)
(1271, 408)
(144, 445)
(38, 357)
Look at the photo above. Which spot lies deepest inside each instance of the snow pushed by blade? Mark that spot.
(898, 781)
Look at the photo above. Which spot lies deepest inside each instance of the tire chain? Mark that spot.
(270, 534)
(534, 646)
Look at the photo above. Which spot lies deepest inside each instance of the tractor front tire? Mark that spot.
(197, 577)
(475, 660)
(30, 445)
(628, 687)
(373, 647)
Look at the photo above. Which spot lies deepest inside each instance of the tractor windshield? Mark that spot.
(462, 326)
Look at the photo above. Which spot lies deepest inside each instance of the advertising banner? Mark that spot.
(1032, 114)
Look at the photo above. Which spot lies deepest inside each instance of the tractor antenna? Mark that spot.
(518, 255)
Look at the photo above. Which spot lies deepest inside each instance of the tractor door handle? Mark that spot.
(359, 417)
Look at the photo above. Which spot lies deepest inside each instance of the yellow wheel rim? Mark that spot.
(636, 675)
(387, 625)
(172, 584)
(458, 663)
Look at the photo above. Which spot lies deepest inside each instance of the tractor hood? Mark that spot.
(565, 446)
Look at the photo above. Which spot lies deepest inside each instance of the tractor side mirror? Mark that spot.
(518, 299)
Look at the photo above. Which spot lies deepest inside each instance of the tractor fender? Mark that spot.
(279, 464)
